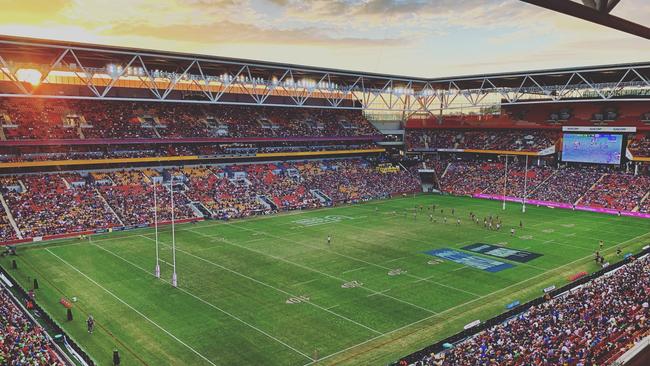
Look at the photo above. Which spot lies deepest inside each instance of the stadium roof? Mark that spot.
(595, 11)
(300, 83)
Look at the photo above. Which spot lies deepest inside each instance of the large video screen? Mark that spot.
(598, 148)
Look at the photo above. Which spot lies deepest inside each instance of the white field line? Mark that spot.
(426, 278)
(305, 282)
(271, 287)
(135, 310)
(394, 260)
(162, 260)
(207, 303)
(469, 302)
(379, 293)
(353, 270)
(317, 271)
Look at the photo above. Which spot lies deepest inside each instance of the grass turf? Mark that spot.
(268, 290)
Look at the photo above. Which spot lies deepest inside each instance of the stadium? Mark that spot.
(179, 208)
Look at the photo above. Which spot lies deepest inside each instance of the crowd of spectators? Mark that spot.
(495, 139)
(617, 190)
(35, 119)
(519, 180)
(240, 191)
(568, 184)
(585, 185)
(356, 180)
(591, 325)
(7, 231)
(49, 207)
(471, 177)
(85, 152)
(58, 119)
(645, 205)
(49, 204)
(640, 146)
(131, 196)
(22, 342)
(224, 195)
(69, 202)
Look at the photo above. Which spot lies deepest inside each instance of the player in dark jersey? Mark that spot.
(90, 324)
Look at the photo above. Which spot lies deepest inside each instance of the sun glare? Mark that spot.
(31, 76)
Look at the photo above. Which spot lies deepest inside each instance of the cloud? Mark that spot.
(229, 32)
(30, 11)
(417, 37)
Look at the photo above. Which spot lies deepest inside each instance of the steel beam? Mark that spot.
(598, 14)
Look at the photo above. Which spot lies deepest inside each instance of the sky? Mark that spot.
(416, 38)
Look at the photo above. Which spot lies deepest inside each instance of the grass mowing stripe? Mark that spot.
(316, 271)
(471, 228)
(206, 302)
(418, 279)
(504, 234)
(134, 309)
(544, 215)
(356, 259)
(269, 286)
(473, 300)
(426, 242)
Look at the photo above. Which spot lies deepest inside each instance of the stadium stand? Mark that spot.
(568, 184)
(640, 146)
(84, 152)
(599, 187)
(113, 120)
(517, 180)
(53, 204)
(48, 207)
(356, 180)
(225, 195)
(21, 341)
(7, 232)
(132, 199)
(590, 325)
(518, 140)
(618, 190)
(467, 178)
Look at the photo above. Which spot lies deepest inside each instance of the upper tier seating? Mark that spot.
(510, 140)
(75, 119)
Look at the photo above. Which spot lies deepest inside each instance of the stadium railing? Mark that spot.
(461, 336)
